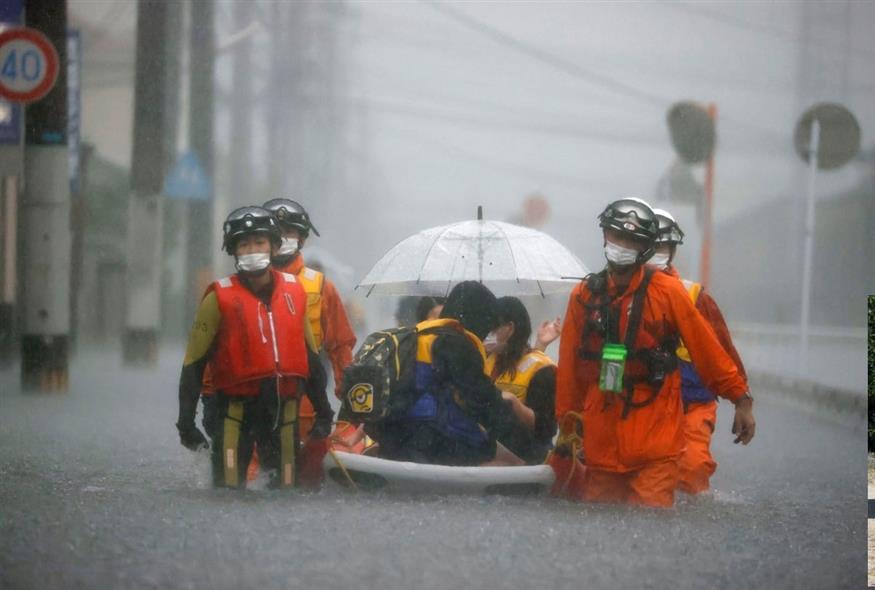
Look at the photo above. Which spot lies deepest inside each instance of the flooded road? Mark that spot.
(96, 492)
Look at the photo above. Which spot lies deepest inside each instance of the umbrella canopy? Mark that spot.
(507, 258)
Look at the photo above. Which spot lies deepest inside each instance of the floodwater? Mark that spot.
(96, 492)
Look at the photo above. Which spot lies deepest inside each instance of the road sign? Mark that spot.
(692, 131)
(29, 65)
(839, 135)
(187, 179)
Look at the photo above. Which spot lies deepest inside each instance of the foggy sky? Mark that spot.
(453, 117)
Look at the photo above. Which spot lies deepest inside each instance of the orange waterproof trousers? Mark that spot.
(696, 463)
(651, 485)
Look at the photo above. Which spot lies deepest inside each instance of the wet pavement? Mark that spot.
(96, 492)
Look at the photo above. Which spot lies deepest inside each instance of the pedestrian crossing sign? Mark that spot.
(187, 180)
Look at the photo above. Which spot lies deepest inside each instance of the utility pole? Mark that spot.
(283, 60)
(240, 150)
(201, 108)
(174, 218)
(46, 214)
(148, 165)
(11, 171)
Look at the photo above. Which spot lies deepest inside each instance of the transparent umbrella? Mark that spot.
(507, 258)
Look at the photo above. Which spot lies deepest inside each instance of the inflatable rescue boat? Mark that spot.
(349, 465)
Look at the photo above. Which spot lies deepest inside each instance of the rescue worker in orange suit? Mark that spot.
(328, 320)
(526, 377)
(252, 329)
(700, 404)
(618, 369)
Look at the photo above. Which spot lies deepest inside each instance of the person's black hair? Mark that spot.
(425, 305)
(405, 313)
(511, 309)
(474, 306)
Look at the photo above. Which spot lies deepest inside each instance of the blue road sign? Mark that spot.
(10, 11)
(187, 180)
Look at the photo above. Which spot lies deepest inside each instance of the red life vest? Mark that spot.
(256, 341)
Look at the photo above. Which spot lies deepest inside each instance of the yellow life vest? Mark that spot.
(425, 341)
(530, 364)
(693, 289)
(313, 281)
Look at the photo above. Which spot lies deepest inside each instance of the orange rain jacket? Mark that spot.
(654, 432)
(338, 339)
(706, 306)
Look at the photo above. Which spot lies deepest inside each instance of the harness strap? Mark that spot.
(573, 440)
(631, 334)
(597, 284)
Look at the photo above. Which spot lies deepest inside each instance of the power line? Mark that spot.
(554, 61)
(466, 119)
(499, 164)
(734, 21)
(575, 70)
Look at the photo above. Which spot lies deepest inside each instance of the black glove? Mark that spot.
(192, 438)
(321, 429)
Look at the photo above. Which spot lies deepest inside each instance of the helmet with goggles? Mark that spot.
(635, 219)
(291, 215)
(669, 231)
(248, 221)
(630, 216)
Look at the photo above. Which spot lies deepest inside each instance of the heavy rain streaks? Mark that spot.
(96, 492)
(384, 121)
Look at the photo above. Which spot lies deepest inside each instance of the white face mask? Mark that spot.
(289, 247)
(253, 262)
(659, 260)
(619, 255)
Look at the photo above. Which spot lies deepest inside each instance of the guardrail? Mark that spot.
(832, 373)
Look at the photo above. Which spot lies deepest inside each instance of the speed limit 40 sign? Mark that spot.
(28, 65)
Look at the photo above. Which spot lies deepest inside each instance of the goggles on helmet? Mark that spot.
(290, 214)
(630, 216)
(245, 221)
(669, 230)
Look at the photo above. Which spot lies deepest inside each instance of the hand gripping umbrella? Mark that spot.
(507, 258)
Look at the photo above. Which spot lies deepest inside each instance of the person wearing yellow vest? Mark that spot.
(526, 377)
(252, 330)
(696, 463)
(455, 414)
(328, 320)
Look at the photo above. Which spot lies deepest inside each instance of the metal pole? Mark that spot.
(708, 214)
(814, 146)
(201, 107)
(240, 151)
(9, 216)
(45, 208)
(11, 173)
(145, 209)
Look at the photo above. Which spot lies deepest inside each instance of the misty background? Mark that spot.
(383, 119)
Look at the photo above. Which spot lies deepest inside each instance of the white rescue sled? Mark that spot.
(373, 473)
